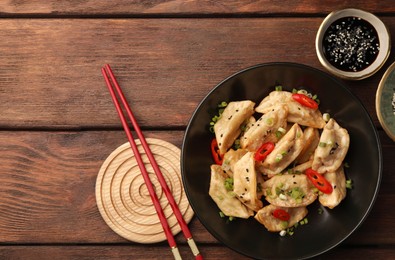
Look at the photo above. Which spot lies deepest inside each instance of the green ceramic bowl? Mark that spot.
(385, 102)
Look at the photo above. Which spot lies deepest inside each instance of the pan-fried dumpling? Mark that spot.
(245, 182)
(230, 159)
(272, 224)
(285, 151)
(289, 190)
(227, 128)
(226, 200)
(338, 181)
(297, 113)
(265, 128)
(302, 167)
(332, 148)
(311, 138)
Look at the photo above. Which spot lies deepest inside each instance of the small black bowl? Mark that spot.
(359, 40)
(324, 231)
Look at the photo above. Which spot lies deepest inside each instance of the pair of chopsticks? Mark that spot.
(108, 74)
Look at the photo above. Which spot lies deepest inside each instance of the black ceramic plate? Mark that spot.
(324, 231)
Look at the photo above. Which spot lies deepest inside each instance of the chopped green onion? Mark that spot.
(221, 214)
(320, 211)
(284, 224)
(282, 197)
(279, 157)
(294, 91)
(304, 221)
(279, 88)
(236, 144)
(346, 165)
(303, 91)
(322, 144)
(229, 184)
(349, 184)
(290, 230)
(215, 118)
(326, 117)
(223, 104)
(279, 191)
(296, 193)
(269, 121)
(280, 132)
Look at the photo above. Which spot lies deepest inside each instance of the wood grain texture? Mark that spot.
(157, 252)
(51, 79)
(48, 190)
(185, 8)
(124, 201)
(58, 124)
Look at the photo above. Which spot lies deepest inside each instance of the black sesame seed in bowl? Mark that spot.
(352, 44)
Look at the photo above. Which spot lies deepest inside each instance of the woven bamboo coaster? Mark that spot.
(123, 199)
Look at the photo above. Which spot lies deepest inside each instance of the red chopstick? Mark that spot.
(106, 71)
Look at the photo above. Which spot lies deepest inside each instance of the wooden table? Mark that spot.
(58, 124)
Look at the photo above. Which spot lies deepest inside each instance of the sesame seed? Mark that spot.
(351, 44)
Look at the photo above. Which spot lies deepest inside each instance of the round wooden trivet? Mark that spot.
(123, 199)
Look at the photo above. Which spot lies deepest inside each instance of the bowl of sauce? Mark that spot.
(352, 44)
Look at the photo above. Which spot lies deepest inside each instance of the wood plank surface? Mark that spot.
(48, 189)
(58, 124)
(185, 8)
(141, 252)
(55, 81)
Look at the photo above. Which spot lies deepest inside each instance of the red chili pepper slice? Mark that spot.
(319, 181)
(281, 214)
(264, 151)
(218, 157)
(305, 101)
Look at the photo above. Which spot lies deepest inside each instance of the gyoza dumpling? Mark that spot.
(297, 113)
(332, 148)
(227, 128)
(338, 181)
(311, 138)
(265, 128)
(285, 151)
(245, 182)
(289, 190)
(302, 167)
(272, 224)
(230, 159)
(226, 200)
